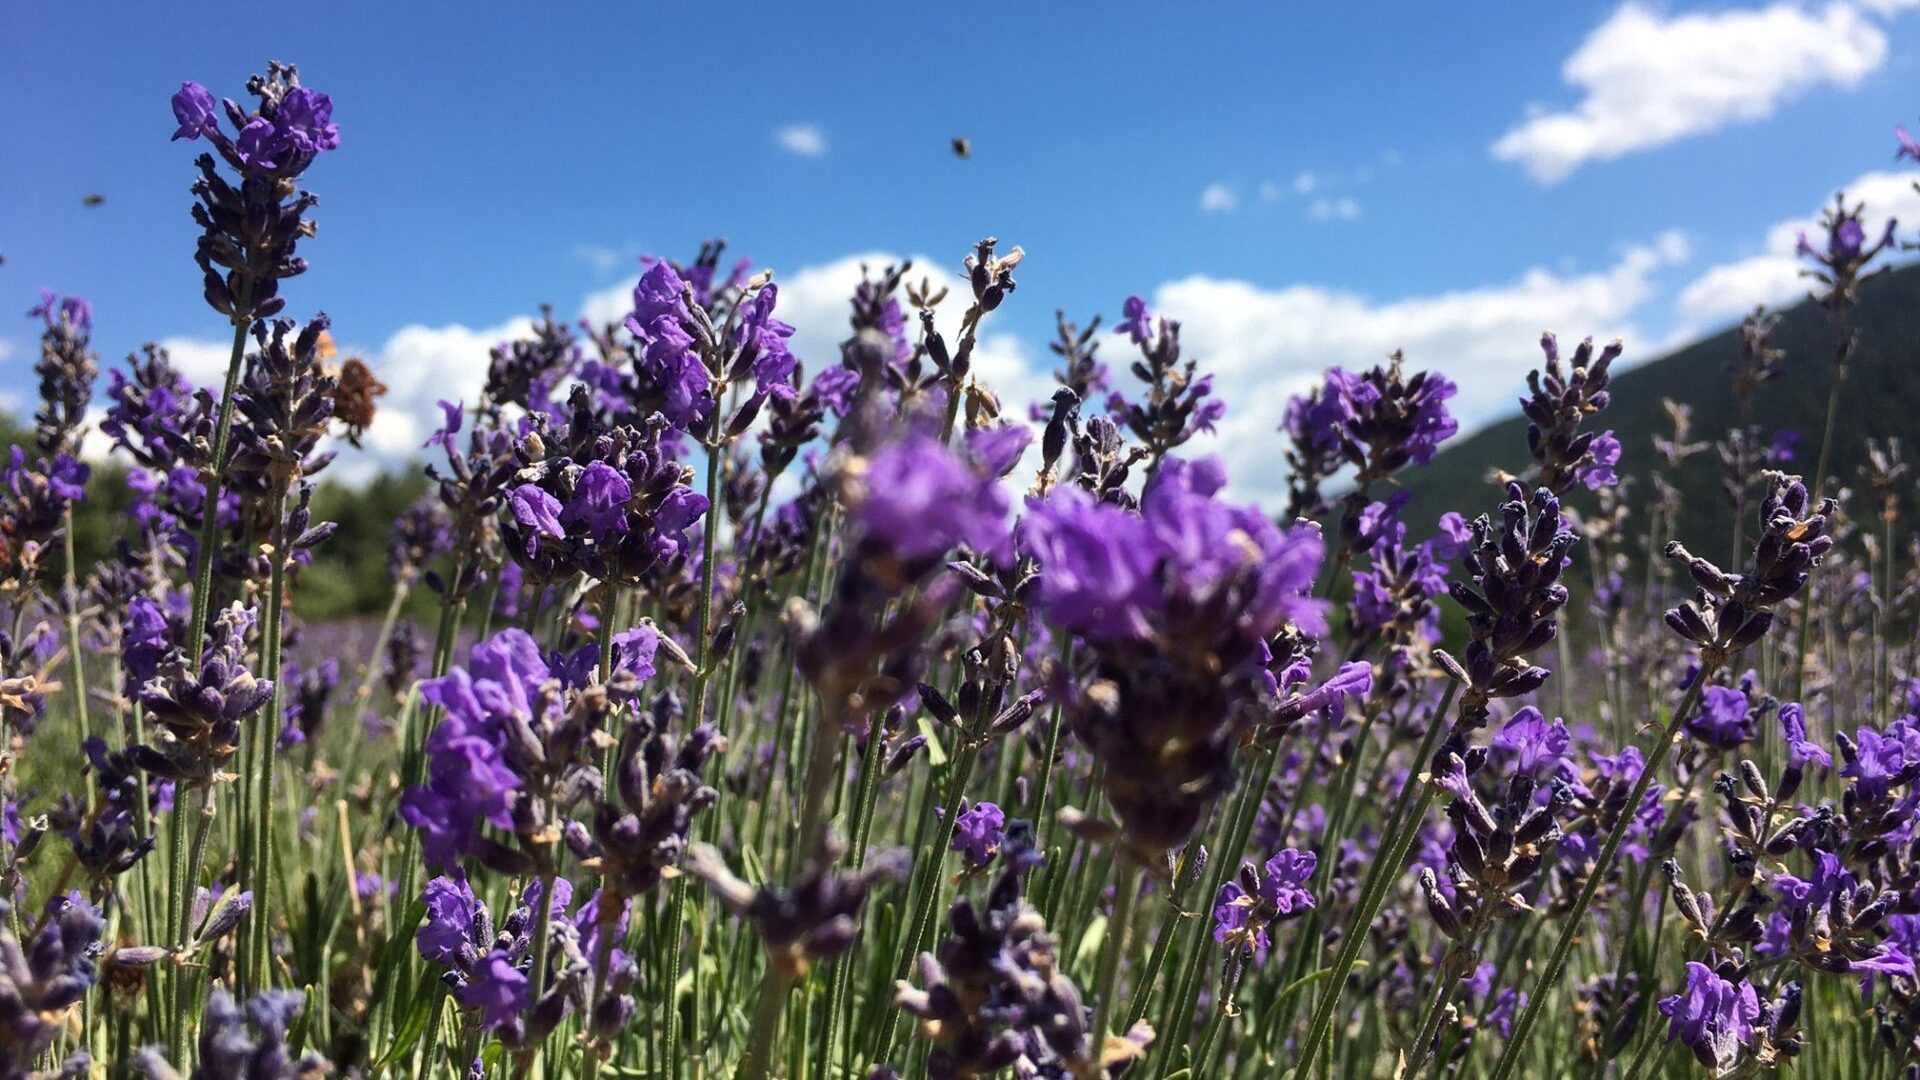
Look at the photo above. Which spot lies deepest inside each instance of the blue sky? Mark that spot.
(1303, 185)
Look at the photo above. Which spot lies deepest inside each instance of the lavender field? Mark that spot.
(738, 713)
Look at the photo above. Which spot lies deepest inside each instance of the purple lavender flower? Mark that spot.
(498, 989)
(1598, 473)
(1512, 601)
(1724, 718)
(1098, 565)
(1877, 761)
(1800, 749)
(994, 995)
(814, 919)
(251, 224)
(1533, 741)
(921, 501)
(468, 778)
(607, 501)
(1713, 1016)
(249, 1039)
(1178, 603)
(196, 111)
(1249, 906)
(641, 834)
(978, 832)
(667, 360)
(197, 712)
(1136, 321)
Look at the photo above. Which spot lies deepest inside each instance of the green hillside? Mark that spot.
(1881, 397)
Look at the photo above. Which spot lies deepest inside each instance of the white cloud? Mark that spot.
(1266, 344)
(1649, 79)
(1270, 191)
(1341, 209)
(1731, 289)
(203, 362)
(1305, 182)
(420, 365)
(6, 350)
(806, 140)
(1219, 199)
(601, 258)
(611, 304)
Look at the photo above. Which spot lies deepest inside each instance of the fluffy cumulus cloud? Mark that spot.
(1648, 78)
(1729, 290)
(419, 364)
(1219, 199)
(804, 140)
(1266, 344)
(1344, 208)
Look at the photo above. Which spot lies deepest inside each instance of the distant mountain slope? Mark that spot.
(1881, 397)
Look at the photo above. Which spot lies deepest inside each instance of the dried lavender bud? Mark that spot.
(42, 979)
(1558, 403)
(643, 834)
(1731, 611)
(243, 1042)
(992, 996)
(1512, 601)
(814, 919)
(67, 369)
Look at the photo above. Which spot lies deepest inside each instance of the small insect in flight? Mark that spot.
(962, 147)
(93, 198)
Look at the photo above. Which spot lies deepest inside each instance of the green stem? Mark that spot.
(766, 1023)
(1115, 947)
(1395, 847)
(71, 602)
(267, 734)
(1557, 960)
(183, 975)
(1169, 925)
(702, 683)
(210, 508)
(542, 930)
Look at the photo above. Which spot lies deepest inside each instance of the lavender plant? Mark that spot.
(820, 716)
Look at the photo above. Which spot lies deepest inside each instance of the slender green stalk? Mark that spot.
(266, 733)
(71, 603)
(542, 930)
(774, 987)
(1115, 946)
(1169, 925)
(183, 1010)
(929, 894)
(702, 684)
(1571, 927)
(210, 511)
(1396, 845)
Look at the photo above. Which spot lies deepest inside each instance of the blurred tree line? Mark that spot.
(348, 576)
